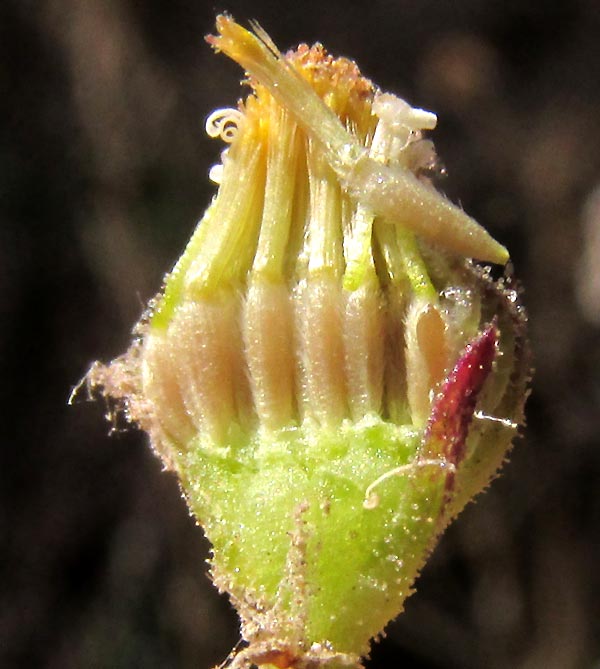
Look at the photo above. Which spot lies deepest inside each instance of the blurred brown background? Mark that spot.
(103, 173)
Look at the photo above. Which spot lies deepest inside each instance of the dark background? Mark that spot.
(103, 173)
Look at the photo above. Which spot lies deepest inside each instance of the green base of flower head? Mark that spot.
(347, 579)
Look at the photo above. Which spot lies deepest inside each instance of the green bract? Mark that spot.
(326, 371)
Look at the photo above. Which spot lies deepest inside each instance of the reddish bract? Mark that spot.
(453, 408)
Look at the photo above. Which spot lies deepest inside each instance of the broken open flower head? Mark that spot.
(329, 375)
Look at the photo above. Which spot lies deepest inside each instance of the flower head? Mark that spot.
(327, 372)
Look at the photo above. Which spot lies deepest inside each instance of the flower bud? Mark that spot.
(326, 371)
